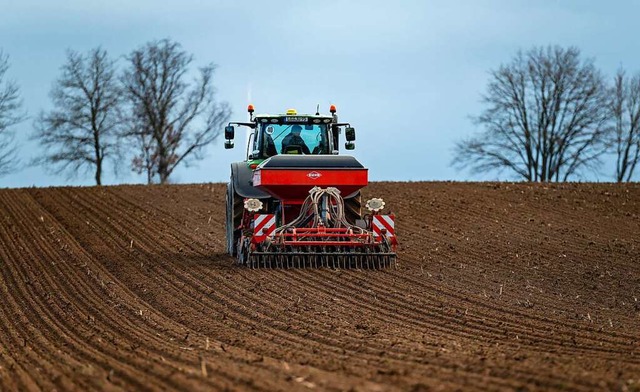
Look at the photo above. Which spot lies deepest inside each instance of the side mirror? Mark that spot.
(229, 132)
(350, 146)
(350, 134)
(228, 144)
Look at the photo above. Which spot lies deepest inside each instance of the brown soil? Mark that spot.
(498, 286)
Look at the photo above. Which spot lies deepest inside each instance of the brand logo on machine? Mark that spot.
(314, 175)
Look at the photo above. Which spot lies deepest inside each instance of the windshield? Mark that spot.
(294, 139)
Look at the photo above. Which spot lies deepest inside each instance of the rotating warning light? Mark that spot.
(291, 112)
(332, 108)
(250, 108)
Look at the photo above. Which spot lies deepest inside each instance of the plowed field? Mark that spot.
(498, 286)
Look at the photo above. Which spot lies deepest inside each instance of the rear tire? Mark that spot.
(233, 219)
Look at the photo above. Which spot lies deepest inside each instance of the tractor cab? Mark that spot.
(291, 134)
(284, 136)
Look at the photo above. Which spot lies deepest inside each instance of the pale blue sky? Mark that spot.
(406, 74)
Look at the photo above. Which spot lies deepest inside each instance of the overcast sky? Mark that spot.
(406, 74)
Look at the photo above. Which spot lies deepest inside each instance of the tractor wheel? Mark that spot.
(234, 218)
(353, 208)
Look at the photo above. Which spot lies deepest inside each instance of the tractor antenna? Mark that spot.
(249, 101)
(318, 110)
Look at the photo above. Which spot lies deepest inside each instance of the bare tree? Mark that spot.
(10, 115)
(625, 132)
(544, 120)
(174, 119)
(81, 131)
(146, 160)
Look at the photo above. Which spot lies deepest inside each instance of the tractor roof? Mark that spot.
(292, 118)
(294, 115)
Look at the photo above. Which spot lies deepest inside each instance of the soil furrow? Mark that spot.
(500, 286)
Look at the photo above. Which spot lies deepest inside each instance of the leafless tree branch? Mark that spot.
(81, 131)
(174, 119)
(625, 130)
(544, 118)
(10, 115)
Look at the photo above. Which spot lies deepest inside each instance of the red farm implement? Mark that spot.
(296, 203)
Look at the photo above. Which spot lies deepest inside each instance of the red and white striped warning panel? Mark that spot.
(380, 223)
(263, 226)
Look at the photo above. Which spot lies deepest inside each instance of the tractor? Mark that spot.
(295, 202)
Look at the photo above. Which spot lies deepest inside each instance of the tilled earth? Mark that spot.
(498, 286)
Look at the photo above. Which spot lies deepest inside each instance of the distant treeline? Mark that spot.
(149, 114)
(549, 115)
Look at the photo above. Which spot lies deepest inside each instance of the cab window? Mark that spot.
(314, 137)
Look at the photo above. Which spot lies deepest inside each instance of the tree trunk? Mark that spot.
(99, 172)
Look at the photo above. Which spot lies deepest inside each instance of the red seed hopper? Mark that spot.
(290, 177)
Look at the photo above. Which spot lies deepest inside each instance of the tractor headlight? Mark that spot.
(375, 204)
(253, 205)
